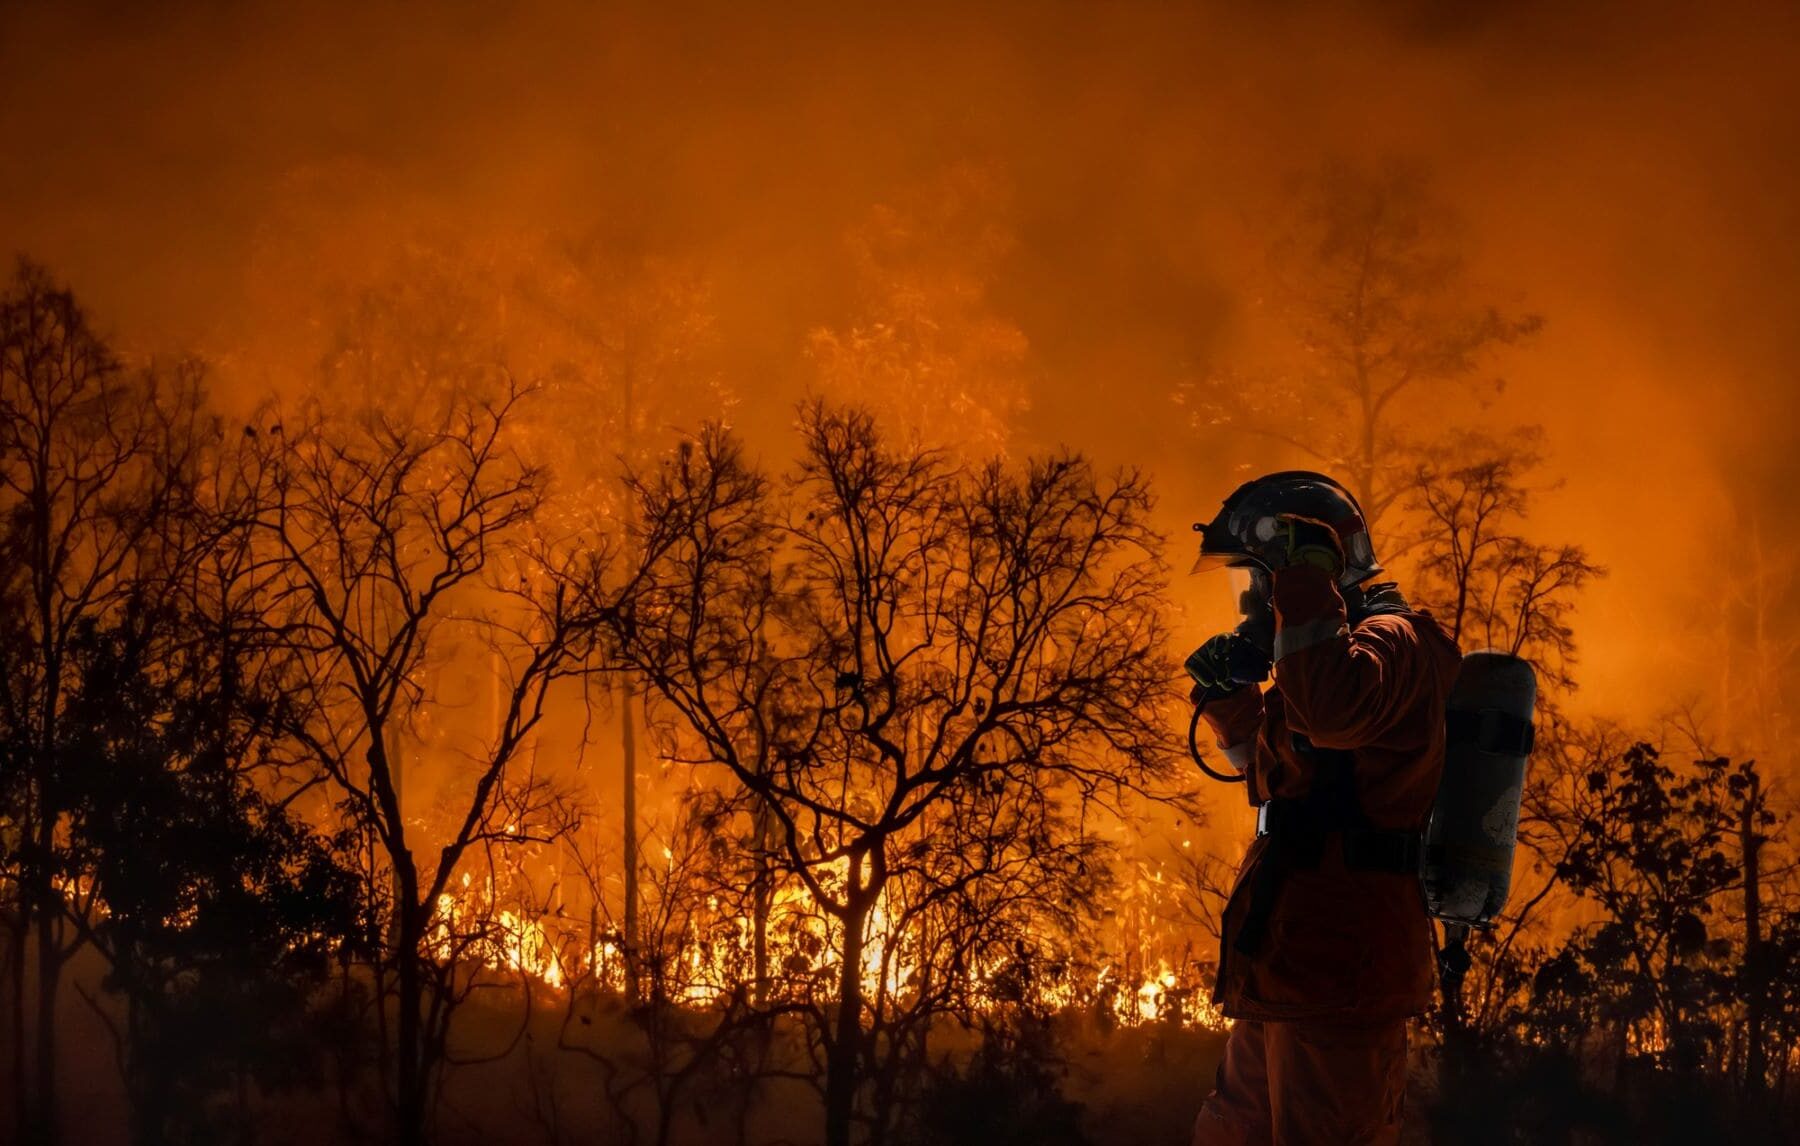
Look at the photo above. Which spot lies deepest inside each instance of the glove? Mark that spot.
(1223, 665)
(1303, 541)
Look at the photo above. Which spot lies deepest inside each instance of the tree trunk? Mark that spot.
(151, 1081)
(760, 894)
(844, 1056)
(1756, 1066)
(43, 893)
(760, 891)
(44, 1121)
(410, 1073)
(16, 1020)
(628, 750)
(759, 939)
(627, 718)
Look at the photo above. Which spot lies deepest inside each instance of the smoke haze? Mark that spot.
(203, 173)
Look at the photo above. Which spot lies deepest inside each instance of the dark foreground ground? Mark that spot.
(1113, 1086)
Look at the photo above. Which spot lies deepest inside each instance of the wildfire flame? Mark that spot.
(708, 961)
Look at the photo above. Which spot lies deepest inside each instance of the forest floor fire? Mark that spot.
(711, 960)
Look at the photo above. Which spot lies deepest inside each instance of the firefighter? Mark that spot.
(1326, 948)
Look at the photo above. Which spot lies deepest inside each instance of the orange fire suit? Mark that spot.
(1322, 959)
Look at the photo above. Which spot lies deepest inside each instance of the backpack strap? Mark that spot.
(1298, 831)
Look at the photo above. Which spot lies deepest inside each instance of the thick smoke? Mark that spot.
(201, 171)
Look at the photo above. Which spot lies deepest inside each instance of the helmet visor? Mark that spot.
(1207, 562)
(1219, 549)
(1249, 591)
(1240, 582)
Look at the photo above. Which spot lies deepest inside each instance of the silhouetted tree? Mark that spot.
(222, 913)
(1479, 572)
(1489, 583)
(93, 461)
(633, 362)
(910, 664)
(976, 930)
(694, 1037)
(1654, 848)
(387, 544)
(1778, 968)
(1369, 288)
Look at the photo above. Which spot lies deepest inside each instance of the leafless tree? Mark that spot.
(883, 642)
(384, 547)
(1491, 586)
(1487, 582)
(1370, 291)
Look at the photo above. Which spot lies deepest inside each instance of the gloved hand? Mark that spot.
(1223, 665)
(1303, 541)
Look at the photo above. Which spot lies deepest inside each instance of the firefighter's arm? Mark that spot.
(1236, 721)
(1343, 688)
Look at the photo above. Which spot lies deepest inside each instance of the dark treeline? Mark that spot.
(292, 803)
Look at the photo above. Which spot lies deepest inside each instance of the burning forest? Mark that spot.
(615, 575)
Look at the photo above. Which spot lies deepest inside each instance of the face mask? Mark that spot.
(1250, 589)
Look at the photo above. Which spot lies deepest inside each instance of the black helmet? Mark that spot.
(1247, 522)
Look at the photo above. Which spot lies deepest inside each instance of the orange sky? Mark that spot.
(1631, 171)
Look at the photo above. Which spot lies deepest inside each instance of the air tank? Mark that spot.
(1468, 855)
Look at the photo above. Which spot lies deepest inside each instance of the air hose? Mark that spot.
(1194, 751)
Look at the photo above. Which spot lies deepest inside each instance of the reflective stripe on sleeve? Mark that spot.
(1293, 638)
